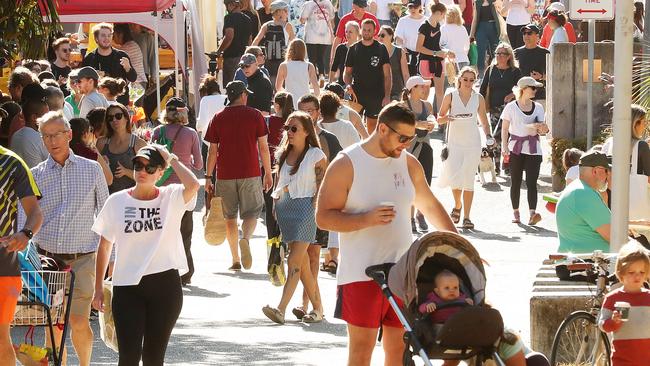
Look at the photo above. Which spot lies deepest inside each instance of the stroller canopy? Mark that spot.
(449, 251)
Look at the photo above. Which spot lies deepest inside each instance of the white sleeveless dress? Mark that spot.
(464, 144)
(297, 81)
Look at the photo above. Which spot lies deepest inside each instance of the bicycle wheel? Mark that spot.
(579, 342)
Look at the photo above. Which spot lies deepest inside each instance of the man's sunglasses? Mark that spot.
(117, 116)
(65, 50)
(528, 33)
(293, 129)
(150, 169)
(402, 138)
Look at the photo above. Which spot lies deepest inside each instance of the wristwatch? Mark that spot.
(171, 158)
(28, 233)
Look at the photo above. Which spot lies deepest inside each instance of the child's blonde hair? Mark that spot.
(445, 274)
(629, 254)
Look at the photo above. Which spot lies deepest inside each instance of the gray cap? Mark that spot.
(596, 158)
(234, 89)
(279, 5)
(88, 72)
(247, 59)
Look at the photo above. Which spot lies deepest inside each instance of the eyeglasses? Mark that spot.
(469, 80)
(402, 138)
(75, 81)
(65, 50)
(528, 33)
(381, 35)
(293, 129)
(117, 116)
(54, 136)
(150, 169)
(502, 54)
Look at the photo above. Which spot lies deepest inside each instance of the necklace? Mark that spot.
(501, 73)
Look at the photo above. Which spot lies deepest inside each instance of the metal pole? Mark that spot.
(590, 83)
(157, 74)
(177, 50)
(621, 123)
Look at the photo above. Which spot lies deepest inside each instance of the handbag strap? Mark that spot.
(635, 158)
(324, 15)
(451, 104)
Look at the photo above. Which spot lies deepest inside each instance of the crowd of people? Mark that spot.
(326, 161)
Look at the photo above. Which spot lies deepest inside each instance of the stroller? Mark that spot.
(473, 332)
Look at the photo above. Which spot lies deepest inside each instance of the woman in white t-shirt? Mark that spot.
(523, 122)
(406, 33)
(144, 224)
(211, 102)
(519, 12)
(454, 37)
(570, 160)
(301, 164)
(318, 17)
(381, 10)
(344, 130)
(556, 22)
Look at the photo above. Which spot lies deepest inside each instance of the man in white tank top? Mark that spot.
(366, 196)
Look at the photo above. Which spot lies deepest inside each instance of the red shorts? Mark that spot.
(362, 304)
(9, 292)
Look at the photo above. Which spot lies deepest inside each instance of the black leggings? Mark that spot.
(530, 164)
(145, 315)
(319, 55)
(187, 226)
(426, 160)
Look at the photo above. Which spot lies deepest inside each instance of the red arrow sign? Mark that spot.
(602, 11)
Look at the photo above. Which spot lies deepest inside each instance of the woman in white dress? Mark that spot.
(462, 109)
(301, 72)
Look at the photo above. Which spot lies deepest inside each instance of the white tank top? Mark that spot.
(297, 81)
(376, 180)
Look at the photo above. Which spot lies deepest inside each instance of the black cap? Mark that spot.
(33, 91)
(44, 75)
(360, 3)
(415, 3)
(88, 72)
(234, 90)
(150, 153)
(335, 88)
(530, 27)
(595, 159)
(174, 104)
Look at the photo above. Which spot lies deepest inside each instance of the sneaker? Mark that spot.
(235, 267)
(414, 227)
(422, 222)
(245, 249)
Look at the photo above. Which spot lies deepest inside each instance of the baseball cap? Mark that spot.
(360, 3)
(150, 153)
(595, 159)
(234, 90)
(415, 3)
(74, 74)
(530, 27)
(247, 59)
(45, 75)
(88, 72)
(527, 81)
(230, 1)
(174, 104)
(335, 88)
(414, 81)
(279, 5)
(558, 6)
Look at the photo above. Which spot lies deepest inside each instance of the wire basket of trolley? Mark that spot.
(45, 301)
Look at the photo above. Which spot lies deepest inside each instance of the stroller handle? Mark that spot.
(379, 272)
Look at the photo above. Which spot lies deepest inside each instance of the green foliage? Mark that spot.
(24, 30)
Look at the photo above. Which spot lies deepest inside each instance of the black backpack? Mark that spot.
(275, 42)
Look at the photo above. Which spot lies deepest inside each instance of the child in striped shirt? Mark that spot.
(631, 336)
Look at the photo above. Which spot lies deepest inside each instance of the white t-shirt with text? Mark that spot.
(317, 29)
(521, 125)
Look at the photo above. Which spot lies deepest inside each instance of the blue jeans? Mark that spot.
(486, 41)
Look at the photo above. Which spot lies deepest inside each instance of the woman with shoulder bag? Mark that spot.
(523, 122)
(301, 165)
(184, 142)
(398, 63)
(143, 223)
(318, 18)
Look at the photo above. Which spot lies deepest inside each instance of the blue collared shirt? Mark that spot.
(72, 196)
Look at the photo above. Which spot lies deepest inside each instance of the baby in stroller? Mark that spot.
(446, 291)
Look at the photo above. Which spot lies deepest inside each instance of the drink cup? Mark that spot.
(75, 56)
(624, 309)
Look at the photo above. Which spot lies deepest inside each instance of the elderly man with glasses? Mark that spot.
(69, 208)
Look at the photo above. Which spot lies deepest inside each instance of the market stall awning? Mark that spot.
(76, 7)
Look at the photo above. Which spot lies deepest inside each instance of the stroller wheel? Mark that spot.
(408, 357)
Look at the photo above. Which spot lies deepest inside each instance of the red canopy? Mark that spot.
(77, 7)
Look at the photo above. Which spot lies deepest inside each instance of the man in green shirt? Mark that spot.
(583, 219)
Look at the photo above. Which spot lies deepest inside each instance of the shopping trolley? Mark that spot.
(45, 300)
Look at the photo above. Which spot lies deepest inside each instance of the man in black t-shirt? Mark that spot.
(60, 67)
(109, 61)
(367, 68)
(262, 91)
(532, 58)
(236, 37)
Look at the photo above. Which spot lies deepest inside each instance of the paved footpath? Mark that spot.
(222, 322)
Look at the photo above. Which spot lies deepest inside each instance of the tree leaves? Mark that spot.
(25, 31)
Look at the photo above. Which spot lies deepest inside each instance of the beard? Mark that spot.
(602, 186)
(392, 153)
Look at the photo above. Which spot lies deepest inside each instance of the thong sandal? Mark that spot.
(329, 267)
(273, 314)
(467, 224)
(517, 219)
(455, 215)
(312, 317)
(299, 312)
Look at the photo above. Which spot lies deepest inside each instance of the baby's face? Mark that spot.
(447, 288)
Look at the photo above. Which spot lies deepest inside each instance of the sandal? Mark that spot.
(273, 314)
(299, 312)
(517, 219)
(467, 224)
(313, 317)
(455, 215)
(535, 219)
(332, 267)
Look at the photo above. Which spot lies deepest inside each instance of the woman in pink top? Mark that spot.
(186, 145)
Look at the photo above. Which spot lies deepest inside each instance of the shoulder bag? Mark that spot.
(162, 139)
(444, 153)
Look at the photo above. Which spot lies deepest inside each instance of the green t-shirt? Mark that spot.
(579, 212)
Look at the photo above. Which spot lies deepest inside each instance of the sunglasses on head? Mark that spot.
(117, 116)
(293, 129)
(150, 169)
